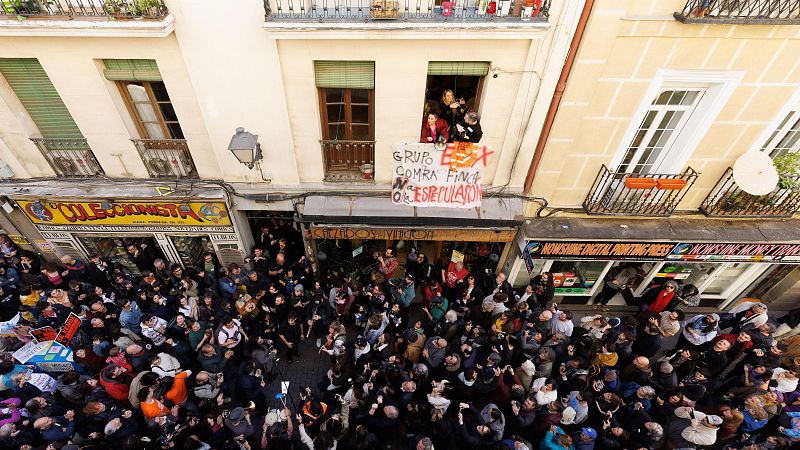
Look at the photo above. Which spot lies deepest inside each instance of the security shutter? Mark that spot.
(40, 98)
(131, 70)
(345, 74)
(468, 68)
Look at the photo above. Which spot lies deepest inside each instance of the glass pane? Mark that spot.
(663, 98)
(337, 131)
(689, 98)
(335, 113)
(360, 132)
(334, 95)
(159, 91)
(648, 120)
(168, 112)
(359, 96)
(576, 277)
(676, 98)
(154, 130)
(361, 114)
(175, 130)
(654, 138)
(684, 273)
(725, 278)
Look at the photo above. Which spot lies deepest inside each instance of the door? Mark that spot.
(651, 149)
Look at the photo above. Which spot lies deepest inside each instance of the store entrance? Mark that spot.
(268, 227)
(115, 249)
(191, 248)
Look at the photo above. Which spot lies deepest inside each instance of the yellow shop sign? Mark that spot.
(211, 214)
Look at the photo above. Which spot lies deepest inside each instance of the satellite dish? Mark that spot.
(755, 173)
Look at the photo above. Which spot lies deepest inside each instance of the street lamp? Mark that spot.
(245, 147)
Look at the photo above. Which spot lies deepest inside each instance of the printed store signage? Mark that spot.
(451, 178)
(203, 214)
(660, 251)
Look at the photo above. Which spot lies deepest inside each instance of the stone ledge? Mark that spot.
(79, 27)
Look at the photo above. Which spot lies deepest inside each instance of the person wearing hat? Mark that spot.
(239, 424)
(585, 440)
(697, 428)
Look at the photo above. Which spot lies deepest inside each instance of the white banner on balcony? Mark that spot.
(448, 178)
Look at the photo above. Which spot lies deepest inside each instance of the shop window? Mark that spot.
(577, 277)
(115, 250)
(663, 121)
(463, 78)
(191, 248)
(786, 136)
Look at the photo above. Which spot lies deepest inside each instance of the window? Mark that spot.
(786, 137)
(346, 96)
(463, 78)
(347, 114)
(662, 123)
(146, 97)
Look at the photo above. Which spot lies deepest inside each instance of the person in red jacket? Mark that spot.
(116, 381)
(434, 130)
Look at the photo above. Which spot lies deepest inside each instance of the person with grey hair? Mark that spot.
(468, 128)
(744, 316)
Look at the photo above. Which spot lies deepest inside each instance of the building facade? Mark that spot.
(116, 119)
(662, 101)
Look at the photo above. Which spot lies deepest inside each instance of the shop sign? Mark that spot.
(202, 214)
(596, 250)
(450, 178)
(19, 239)
(426, 234)
(736, 252)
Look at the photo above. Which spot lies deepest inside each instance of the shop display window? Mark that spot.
(115, 251)
(576, 277)
(191, 248)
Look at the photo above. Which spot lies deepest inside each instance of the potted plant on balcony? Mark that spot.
(115, 8)
(148, 8)
(367, 171)
(788, 167)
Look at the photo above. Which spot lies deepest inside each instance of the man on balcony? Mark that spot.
(468, 128)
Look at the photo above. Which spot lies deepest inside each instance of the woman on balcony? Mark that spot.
(434, 130)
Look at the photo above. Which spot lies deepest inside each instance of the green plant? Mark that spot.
(788, 167)
(151, 7)
(113, 7)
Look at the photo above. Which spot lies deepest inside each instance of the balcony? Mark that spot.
(403, 13)
(83, 9)
(742, 12)
(166, 158)
(344, 160)
(69, 157)
(630, 194)
(727, 200)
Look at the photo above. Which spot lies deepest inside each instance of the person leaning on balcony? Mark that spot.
(434, 129)
(468, 129)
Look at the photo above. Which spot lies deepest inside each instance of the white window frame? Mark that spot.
(718, 86)
(764, 143)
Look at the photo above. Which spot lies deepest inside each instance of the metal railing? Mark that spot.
(728, 200)
(69, 157)
(614, 193)
(757, 12)
(119, 9)
(166, 158)
(344, 159)
(405, 10)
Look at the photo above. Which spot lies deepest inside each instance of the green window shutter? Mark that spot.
(345, 74)
(131, 70)
(40, 98)
(468, 68)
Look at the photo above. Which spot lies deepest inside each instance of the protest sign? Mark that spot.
(43, 334)
(27, 351)
(71, 326)
(452, 178)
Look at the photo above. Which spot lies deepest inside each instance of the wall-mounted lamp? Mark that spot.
(245, 147)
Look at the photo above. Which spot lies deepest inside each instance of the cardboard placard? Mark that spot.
(71, 326)
(43, 334)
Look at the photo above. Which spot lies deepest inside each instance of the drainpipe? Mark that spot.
(556, 101)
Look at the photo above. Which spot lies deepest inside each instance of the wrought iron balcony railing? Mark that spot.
(166, 158)
(756, 12)
(348, 160)
(69, 157)
(119, 9)
(728, 200)
(632, 194)
(502, 11)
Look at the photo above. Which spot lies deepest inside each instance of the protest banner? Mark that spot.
(26, 352)
(71, 326)
(43, 334)
(451, 178)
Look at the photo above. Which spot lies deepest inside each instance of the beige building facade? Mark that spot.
(662, 100)
(148, 99)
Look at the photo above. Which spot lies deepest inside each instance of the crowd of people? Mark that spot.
(418, 356)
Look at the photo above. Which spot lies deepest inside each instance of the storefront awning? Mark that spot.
(343, 210)
(672, 229)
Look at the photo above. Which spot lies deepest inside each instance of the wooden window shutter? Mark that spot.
(36, 92)
(468, 68)
(131, 70)
(345, 74)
